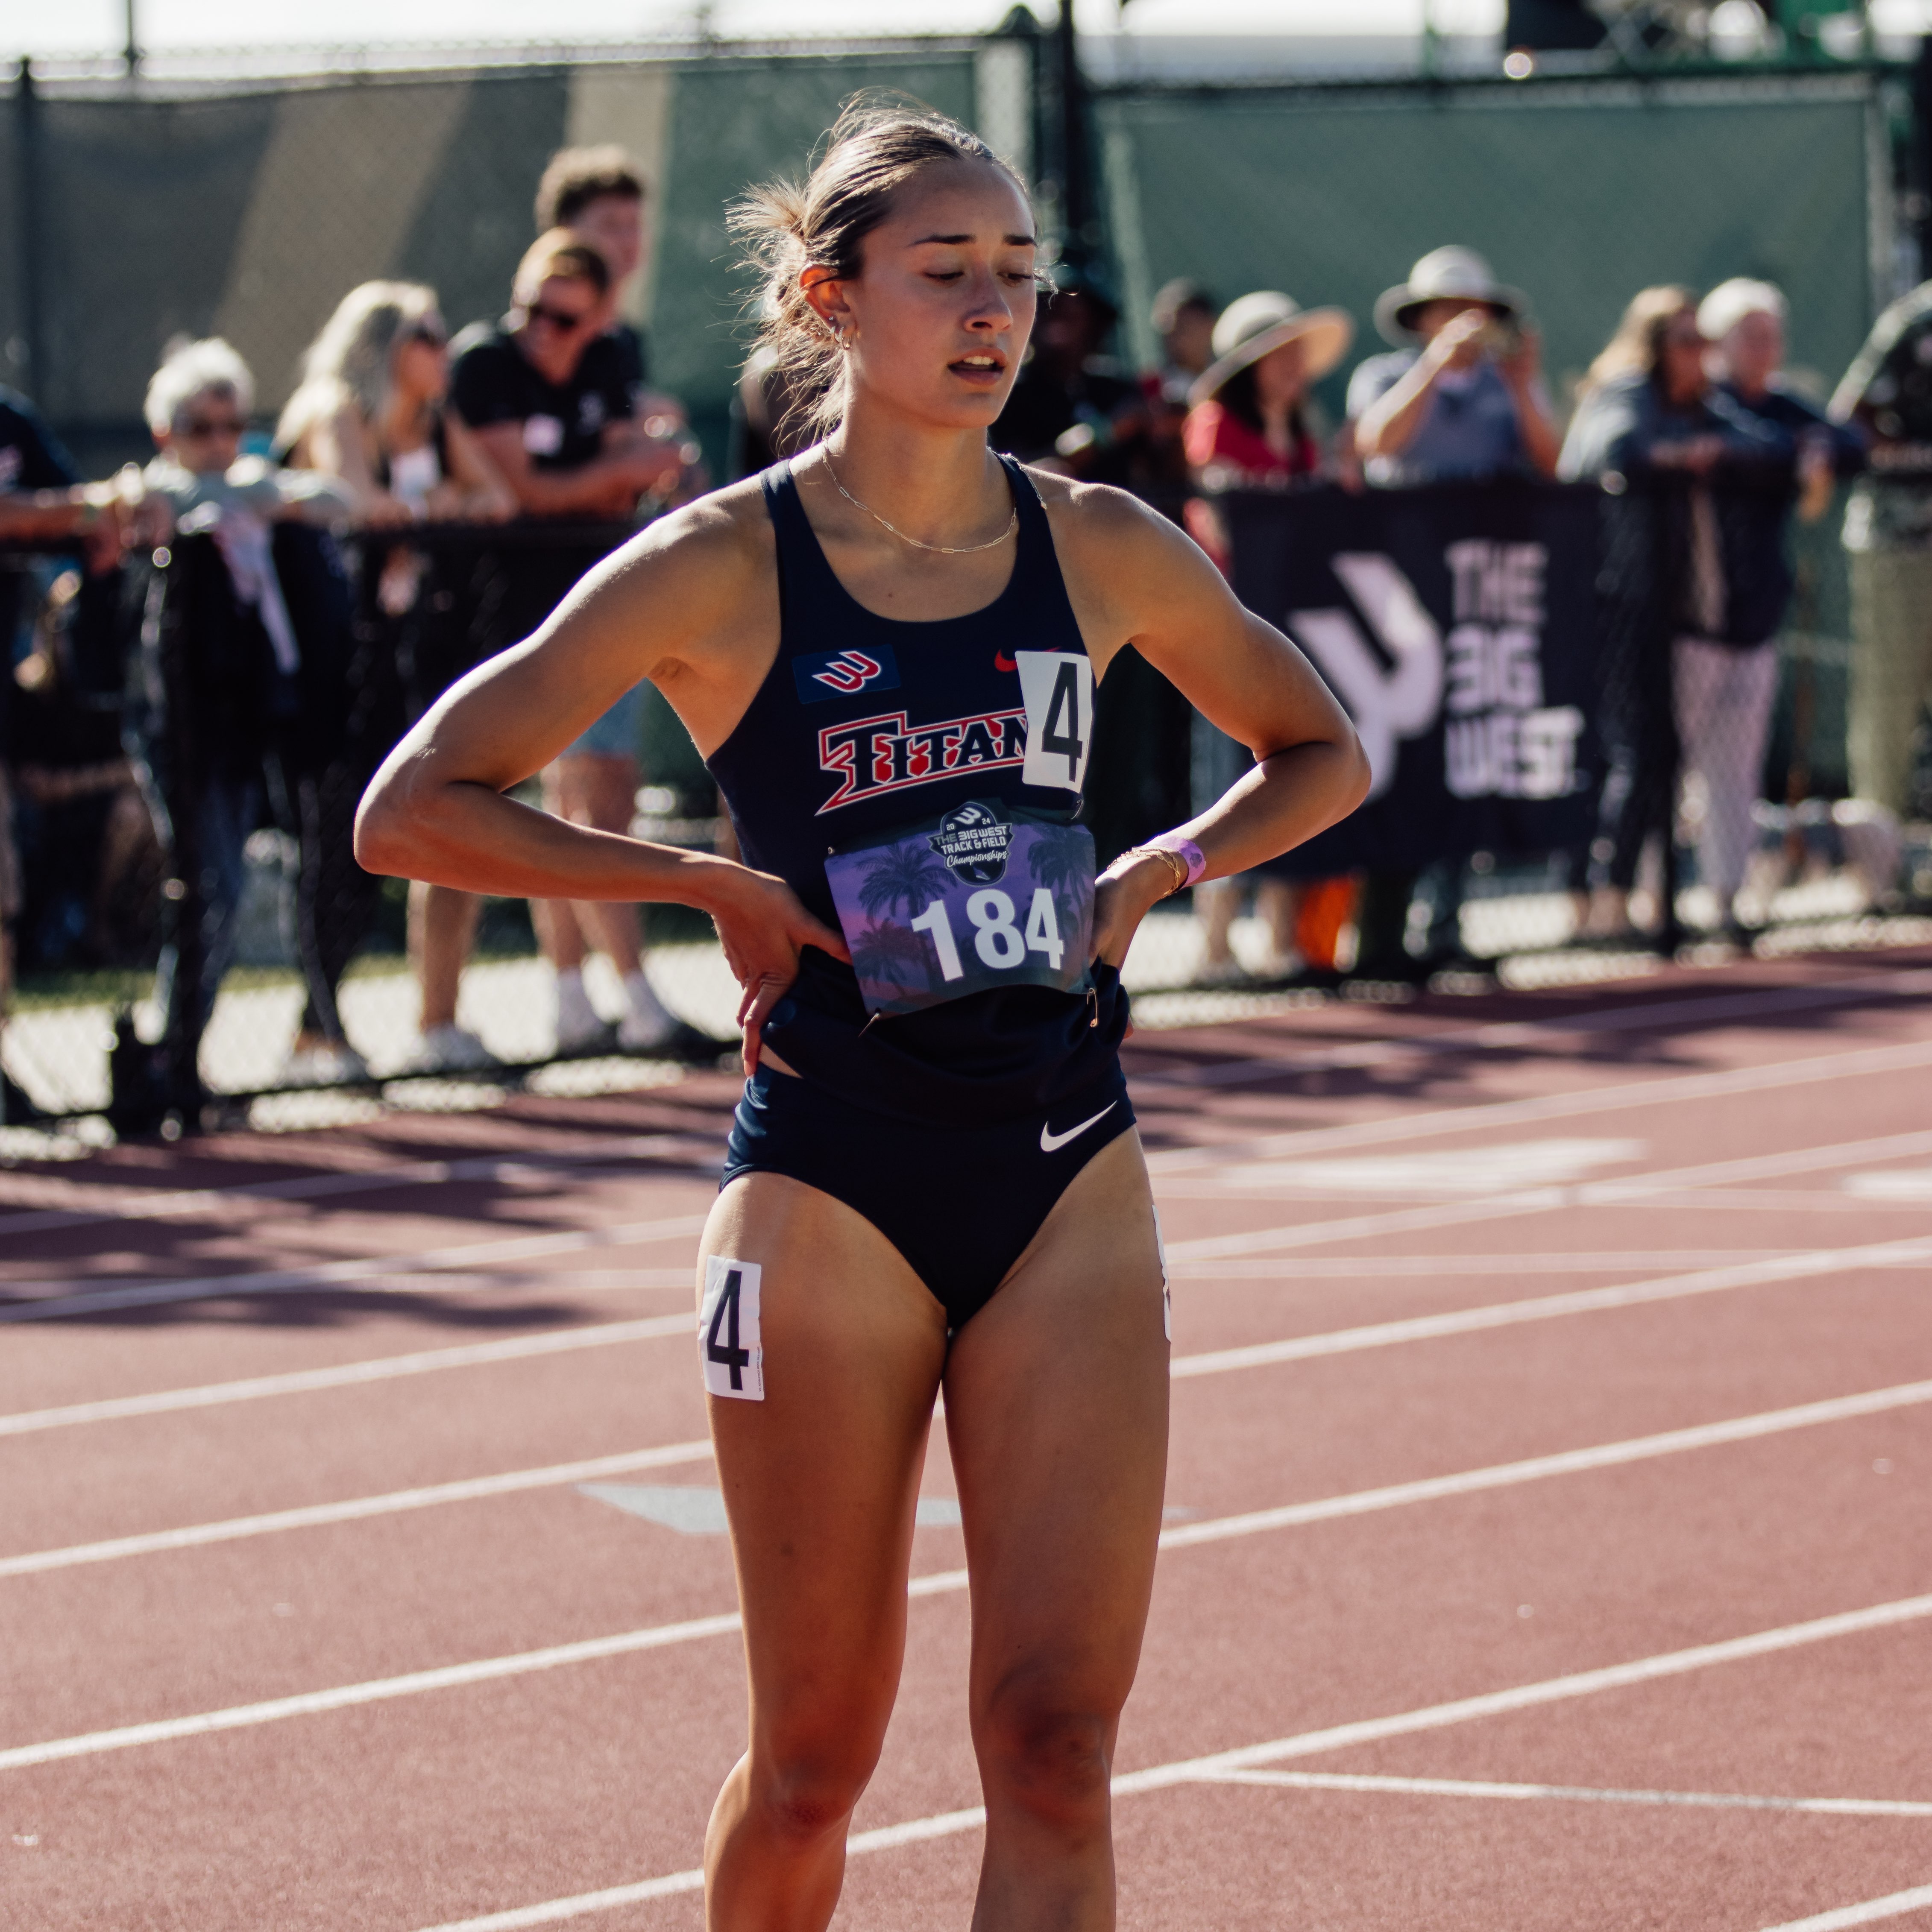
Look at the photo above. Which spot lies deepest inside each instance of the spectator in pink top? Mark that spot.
(1252, 426)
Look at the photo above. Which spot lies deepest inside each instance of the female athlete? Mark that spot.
(886, 650)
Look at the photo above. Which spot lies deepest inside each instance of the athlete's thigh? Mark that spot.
(1056, 1412)
(821, 1475)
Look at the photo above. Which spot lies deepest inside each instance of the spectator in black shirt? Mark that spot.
(1071, 407)
(598, 195)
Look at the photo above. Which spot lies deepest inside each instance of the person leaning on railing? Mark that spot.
(1886, 395)
(370, 412)
(598, 194)
(551, 394)
(197, 408)
(42, 502)
(1705, 479)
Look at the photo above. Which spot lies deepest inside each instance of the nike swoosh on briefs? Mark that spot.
(1051, 1142)
(1000, 661)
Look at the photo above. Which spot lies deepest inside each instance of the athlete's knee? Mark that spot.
(807, 1787)
(1047, 1755)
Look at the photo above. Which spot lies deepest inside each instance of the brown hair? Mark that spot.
(575, 177)
(1637, 347)
(560, 256)
(878, 144)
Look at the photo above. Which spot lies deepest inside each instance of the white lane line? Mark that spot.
(1537, 1468)
(1742, 1428)
(1636, 1187)
(1502, 1035)
(1463, 1787)
(1895, 1905)
(345, 1375)
(946, 1582)
(1429, 1267)
(356, 1509)
(1800, 1267)
(1668, 1089)
(1194, 1771)
(134, 1206)
(55, 1302)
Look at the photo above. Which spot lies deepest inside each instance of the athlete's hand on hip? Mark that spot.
(764, 927)
(1123, 895)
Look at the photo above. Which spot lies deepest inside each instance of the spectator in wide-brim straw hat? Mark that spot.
(1252, 426)
(1250, 422)
(1463, 397)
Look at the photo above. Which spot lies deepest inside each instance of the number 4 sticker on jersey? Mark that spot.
(1058, 688)
(728, 1337)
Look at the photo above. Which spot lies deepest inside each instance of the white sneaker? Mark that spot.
(645, 1023)
(450, 1049)
(332, 1063)
(580, 1026)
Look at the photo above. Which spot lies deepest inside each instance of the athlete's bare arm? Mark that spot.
(691, 604)
(1135, 577)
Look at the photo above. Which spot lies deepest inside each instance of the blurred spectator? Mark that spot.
(1183, 318)
(41, 499)
(1469, 402)
(370, 412)
(1071, 406)
(599, 195)
(1711, 593)
(550, 399)
(1465, 404)
(197, 409)
(1887, 394)
(1251, 426)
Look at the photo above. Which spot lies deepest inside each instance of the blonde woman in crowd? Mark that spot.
(371, 411)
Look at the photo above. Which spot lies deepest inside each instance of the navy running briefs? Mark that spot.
(959, 1203)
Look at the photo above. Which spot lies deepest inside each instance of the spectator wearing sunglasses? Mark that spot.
(371, 412)
(553, 395)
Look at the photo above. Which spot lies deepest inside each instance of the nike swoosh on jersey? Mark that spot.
(1051, 1142)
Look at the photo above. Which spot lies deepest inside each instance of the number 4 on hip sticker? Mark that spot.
(728, 1337)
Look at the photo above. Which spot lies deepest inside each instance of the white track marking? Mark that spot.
(947, 1582)
(1504, 1034)
(1462, 1787)
(357, 1509)
(1904, 1184)
(1636, 1187)
(1360, 1502)
(1666, 1089)
(361, 1269)
(1194, 1771)
(1460, 1172)
(1429, 1267)
(1895, 1905)
(345, 1375)
(1550, 1307)
(134, 1206)
(1563, 1462)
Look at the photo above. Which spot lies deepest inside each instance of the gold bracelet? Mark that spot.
(1176, 864)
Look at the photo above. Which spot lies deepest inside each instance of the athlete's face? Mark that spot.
(938, 321)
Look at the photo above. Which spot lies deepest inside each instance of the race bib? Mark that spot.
(984, 897)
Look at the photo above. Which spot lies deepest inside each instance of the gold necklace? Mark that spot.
(940, 549)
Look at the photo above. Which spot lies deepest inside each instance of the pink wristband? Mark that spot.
(1184, 849)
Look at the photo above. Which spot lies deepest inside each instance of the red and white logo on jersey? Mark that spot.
(849, 671)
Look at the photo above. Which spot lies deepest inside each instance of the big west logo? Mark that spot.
(1500, 740)
(874, 755)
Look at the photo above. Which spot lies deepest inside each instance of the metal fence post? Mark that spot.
(33, 371)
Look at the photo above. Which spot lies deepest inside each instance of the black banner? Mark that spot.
(1457, 624)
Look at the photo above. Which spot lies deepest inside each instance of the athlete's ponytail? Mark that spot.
(879, 143)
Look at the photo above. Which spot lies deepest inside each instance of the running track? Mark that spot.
(1550, 1537)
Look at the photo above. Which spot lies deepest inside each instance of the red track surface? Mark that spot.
(1705, 1145)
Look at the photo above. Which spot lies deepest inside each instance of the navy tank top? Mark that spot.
(866, 725)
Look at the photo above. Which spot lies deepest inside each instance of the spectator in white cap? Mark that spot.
(1252, 426)
(1463, 398)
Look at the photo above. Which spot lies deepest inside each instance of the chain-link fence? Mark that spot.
(249, 208)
